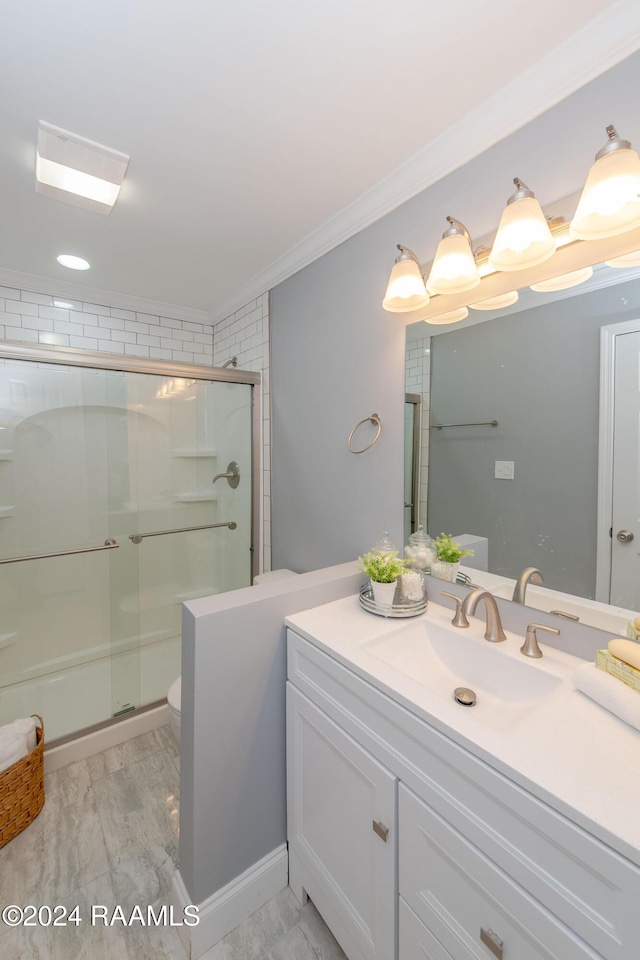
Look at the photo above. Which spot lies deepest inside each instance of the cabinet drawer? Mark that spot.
(457, 892)
(582, 881)
(416, 941)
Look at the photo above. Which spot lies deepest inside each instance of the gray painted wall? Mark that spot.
(233, 777)
(538, 373)
(337, 356)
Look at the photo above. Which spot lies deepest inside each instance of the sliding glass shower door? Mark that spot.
(182, 535)
(109, 519)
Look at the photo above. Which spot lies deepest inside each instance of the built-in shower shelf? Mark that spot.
(6, 454)
(194, 497)
(6, 511)
(200, 452)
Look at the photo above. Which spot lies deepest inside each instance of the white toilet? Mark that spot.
(174, 702)
(174, 694)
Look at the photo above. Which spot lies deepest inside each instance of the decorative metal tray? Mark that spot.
(400, 607)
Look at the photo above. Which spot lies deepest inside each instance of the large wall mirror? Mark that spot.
(537, 369)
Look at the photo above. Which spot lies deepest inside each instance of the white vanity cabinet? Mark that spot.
(474, 866)
(342, 830)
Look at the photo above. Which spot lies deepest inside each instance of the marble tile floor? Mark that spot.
(108, 834)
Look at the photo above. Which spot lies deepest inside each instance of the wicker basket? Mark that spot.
(22, 790)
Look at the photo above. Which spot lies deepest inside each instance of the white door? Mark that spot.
(625, 527)
(341, 811)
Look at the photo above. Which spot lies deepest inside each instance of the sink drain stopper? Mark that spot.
(464, 696)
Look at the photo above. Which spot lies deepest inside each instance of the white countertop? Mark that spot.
(566, 750)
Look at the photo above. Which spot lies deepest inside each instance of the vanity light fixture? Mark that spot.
(73, 263)
(563, 282)
(406, 290)
(453, 316)
(454, 269)
(78, 171)
(609, 204)
(496, 303)
(523, 238)
(626, 260)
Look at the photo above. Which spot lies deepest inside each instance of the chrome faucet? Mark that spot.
(528, 575)
(494, 632)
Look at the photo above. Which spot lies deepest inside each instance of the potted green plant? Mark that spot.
(449, 554)
(383, 569)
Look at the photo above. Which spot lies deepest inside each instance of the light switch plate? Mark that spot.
(504, 470)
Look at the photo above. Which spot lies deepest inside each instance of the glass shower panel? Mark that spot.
(56, 424)
(182, 434)
(104, 477)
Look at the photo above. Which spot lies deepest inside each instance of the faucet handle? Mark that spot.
(459, 618)
(530, 646)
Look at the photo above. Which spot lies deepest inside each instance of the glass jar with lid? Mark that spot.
(420, 550)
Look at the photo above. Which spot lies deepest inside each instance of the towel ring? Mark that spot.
(374, 418)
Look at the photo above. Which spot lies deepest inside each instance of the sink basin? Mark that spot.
(507, 685)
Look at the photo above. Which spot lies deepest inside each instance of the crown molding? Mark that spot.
(598, 46)
(108, 298)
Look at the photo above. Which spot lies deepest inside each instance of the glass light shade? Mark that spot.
(609, 203)
(563, 282)
(496, 303)
(523, 238)
(453, 270)
(406, 290)
(626, 260)
(451, 317)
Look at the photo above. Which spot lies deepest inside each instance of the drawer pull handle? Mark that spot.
(381, 830)
(491, 940)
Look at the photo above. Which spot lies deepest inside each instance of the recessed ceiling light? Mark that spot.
(78, 171)
(74, 263)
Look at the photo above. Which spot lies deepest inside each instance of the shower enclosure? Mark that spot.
(124, 490)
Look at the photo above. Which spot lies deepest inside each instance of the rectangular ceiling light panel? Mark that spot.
(78, 171)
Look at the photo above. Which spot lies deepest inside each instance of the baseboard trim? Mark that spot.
(233, 903)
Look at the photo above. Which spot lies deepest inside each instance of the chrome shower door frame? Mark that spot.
(70, 357)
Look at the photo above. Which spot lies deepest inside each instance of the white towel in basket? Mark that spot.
(27, 727)
(13, 747)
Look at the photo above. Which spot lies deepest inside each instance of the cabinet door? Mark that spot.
(342, 831)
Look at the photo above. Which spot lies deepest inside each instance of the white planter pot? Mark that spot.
(444, 570)
(384, 592)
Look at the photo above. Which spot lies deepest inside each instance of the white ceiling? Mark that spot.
(255, 129)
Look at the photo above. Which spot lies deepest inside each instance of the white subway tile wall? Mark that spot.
(418, 380)
(34, 318)
(42, 318)
(245, 335)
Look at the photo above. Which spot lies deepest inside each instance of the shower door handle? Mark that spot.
(109, 544)
(139, 537)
